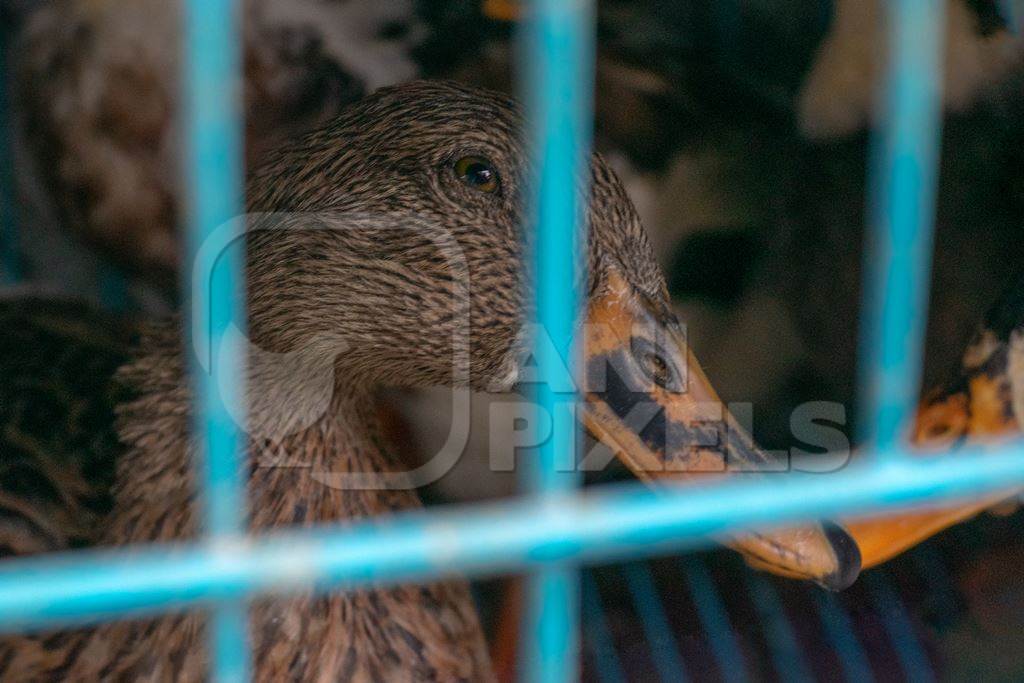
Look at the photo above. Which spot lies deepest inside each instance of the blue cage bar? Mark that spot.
(898, 253)
(559, 105)
(10, 267)
(214, 181)
(555, 528)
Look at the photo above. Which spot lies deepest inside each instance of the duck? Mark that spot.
(362, 237)
(837, 97)
(96, 87)
(981, 403)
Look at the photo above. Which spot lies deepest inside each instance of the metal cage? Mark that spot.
(554, 530)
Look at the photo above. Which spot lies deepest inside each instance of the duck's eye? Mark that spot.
(654, 364)
(478, 173)
(657, 369)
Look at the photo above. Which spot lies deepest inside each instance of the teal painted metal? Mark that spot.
(615, 522)
(788, 658)
(838, 629)
(899, 246)
(1013, 14)
(607, 667)
(715, 622)
(552, 630)
(214, 182)
(661, 640)
(555, 529)
(559, 37)
(899, 626)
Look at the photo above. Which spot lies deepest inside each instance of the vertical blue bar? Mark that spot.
(839, 629)
(1013, 14)
(212, 122)
(783, 645)
(714, 619)
(559, 66)
(114, 289)
(661, 642)
(902, 208)
(900, 628)
(607, 667)
(10, 266)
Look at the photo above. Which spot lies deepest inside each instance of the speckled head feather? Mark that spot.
(387, 164)
(392, 162)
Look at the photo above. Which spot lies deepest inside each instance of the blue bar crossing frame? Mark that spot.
(554, 529)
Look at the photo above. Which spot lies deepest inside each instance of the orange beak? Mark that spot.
(650, 402)
(980, 410)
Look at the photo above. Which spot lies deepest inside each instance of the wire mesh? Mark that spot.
(623, 521)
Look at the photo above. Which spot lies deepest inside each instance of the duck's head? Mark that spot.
(407, 240)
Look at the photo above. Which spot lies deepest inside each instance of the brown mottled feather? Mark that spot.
(356, 278)
(57, 441)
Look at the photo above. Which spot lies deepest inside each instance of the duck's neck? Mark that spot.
(331, 470)
(300, 473)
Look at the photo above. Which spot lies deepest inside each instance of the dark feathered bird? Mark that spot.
(57, 410)
(387, 249)
(98, 93)
(983, 403)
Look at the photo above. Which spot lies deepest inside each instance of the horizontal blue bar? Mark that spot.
(613, 522)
